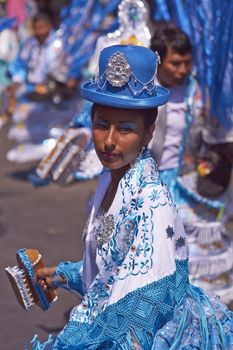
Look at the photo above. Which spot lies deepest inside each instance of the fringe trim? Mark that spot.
(210, 265)
(225, 294)
(208, 320)
(37, 345)
(203, 300)
(206, 232)
(187, 184)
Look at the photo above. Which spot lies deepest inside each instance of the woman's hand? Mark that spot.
(47, 278)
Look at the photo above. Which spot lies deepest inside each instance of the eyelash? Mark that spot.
(126, 129)
(121, 128)
(100, 125)
(175, 64)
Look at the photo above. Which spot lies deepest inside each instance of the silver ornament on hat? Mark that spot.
(118, 71)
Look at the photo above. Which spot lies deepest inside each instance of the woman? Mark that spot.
(134, 276)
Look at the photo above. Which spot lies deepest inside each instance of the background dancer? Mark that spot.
(178, 147)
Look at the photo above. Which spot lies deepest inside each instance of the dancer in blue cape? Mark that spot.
(134, 274)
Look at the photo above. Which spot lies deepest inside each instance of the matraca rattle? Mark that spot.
(22, 276)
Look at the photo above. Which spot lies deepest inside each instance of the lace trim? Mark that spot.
(29, 267)
(203, 265)
(205, 232)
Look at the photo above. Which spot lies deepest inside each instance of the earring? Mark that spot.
(82, 155)
(132, 164)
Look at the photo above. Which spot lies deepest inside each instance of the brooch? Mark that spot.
(103, 230)
(118, 70)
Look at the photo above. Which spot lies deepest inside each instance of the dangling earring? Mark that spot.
(82, 155)
(132, 164)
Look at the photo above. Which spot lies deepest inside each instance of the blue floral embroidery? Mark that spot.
(164, 198)
(123, 211)
(131, 224)
(170, 232)
(154, 195)
(140, 257)
(180, 242)
(132, 220)
(137, 203)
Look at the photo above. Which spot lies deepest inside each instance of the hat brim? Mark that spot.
(89, 92)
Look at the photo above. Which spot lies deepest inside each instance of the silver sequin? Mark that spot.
(103, 229)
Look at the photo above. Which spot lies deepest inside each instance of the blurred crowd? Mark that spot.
(49, 48)
(35, 101)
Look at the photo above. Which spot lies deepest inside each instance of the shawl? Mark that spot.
(134, 275)
(141, 257)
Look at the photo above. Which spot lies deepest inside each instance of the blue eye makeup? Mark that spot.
(128, 126)
(122, 126)
(101, 123)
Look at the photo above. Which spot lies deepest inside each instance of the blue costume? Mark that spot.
(176, 145)
(8, 48)
(134, 275)
(31, 64)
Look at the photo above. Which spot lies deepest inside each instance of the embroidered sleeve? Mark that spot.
(72, 272)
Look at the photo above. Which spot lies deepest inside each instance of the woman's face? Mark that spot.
(119, 135)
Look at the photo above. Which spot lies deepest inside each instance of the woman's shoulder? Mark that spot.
(157, 194)
(149, 185)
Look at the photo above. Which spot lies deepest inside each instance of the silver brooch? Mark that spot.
(118, 71)
(104, 228)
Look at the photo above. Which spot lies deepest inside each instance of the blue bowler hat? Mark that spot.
(127, 79)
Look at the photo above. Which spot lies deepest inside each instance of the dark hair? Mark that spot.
(149, 114)
(166, 34)
(44, 16)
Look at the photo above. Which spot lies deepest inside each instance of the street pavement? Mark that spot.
(50, 219)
